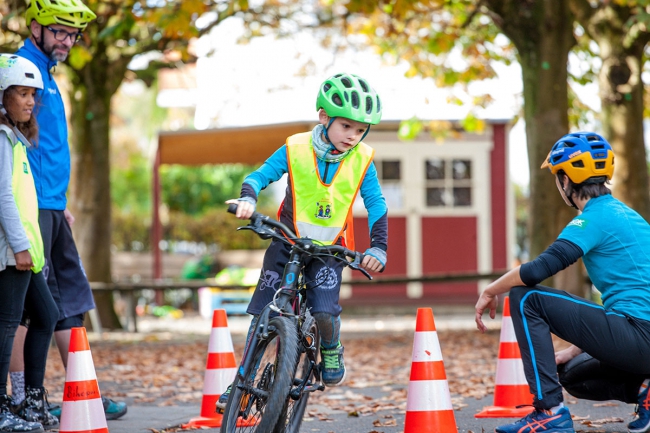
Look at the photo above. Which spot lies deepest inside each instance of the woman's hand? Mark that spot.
(566, 355)
(485, 301)
(23, 261)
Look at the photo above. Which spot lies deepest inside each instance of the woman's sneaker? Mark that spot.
(541, 421)
(333, 367)
(35, 409)
(641, 424)
(10, 423)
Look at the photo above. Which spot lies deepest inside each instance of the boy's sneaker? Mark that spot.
(223, 400)
(641, 423)
(113, 409)
(541, 421)
(333, 367)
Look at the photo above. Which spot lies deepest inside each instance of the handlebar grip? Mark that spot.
(232, 208)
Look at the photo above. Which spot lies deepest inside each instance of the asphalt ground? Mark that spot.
(589, 416)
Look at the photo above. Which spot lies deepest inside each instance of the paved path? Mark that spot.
(142, 419)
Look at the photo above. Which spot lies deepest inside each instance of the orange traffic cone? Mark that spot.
(428, 403)
(219, 372)
(82, 410)
(510, 388)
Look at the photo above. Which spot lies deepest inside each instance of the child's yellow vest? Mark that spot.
(22, 184)
(323, 212)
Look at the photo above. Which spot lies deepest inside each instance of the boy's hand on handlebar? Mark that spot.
(374, 259)
(370, 263)
(244, 208)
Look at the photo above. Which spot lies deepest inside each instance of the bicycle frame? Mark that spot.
(286, 304)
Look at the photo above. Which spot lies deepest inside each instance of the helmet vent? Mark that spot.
(593, 138)
(355, 100)
(29, 75)
(364, 85)
(336, 99)
(346, 82)
(378, 104)
(597, 146)
(578, 164)
(326, 87)
(600, 165)
(368, 105)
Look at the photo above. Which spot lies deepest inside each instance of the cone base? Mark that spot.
(504, 412)
(201, 421)
(438, 421)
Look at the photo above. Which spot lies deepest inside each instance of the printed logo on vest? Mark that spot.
(578, 223)
(25, 168)
(323, 210)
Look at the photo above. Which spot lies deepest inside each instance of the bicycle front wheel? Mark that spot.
(307, 359)
(257, 400)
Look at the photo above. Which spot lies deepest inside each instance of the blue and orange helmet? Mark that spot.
(585, 157)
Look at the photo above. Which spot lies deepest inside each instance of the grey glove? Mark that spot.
(250, 200)
(377, 253)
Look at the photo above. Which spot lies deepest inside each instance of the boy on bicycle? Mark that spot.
(326, 168)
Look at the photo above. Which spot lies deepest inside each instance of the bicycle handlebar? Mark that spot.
(259, 220)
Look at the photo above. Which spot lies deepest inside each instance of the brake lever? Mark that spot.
(356, 265)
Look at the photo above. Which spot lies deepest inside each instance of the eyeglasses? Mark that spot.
(62, 35)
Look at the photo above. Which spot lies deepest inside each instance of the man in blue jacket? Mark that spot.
(56, 26)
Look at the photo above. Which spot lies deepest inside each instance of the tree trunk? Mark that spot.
(542, 31)
(90, 199)
(621, 95)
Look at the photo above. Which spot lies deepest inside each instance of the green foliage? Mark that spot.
(194, 190)
(131, 186)
(215, 226)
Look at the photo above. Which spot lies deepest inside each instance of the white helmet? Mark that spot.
(18, 71)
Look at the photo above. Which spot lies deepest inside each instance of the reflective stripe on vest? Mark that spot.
(22, 184)
(322, 211)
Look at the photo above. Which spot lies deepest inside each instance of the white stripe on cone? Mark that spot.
(80, 367)
(507, 330)
(426, 347)
(220, 341)
(82, 415)
(428, 395)
(510, 372)
(216, 381)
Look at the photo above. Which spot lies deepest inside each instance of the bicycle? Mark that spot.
(279, 368)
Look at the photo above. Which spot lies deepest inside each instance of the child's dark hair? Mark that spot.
(29, 128)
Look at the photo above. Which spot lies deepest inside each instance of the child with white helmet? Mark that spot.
(327, 168)
(21, 248)
(56, 26)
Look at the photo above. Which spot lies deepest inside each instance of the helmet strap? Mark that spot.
(573, 204)
(365, 133)
(327, 137)
(41, 42)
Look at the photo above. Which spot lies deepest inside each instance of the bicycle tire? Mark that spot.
(293, 411)
(262, 395)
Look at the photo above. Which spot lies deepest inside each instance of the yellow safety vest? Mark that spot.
(323, 212)
(22, 184)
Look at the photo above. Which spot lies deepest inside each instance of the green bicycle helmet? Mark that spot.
(349, 96)
(71, 13)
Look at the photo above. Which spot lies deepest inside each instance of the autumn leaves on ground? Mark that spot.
(164, 372)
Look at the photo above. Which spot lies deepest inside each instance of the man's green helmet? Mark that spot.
(349, 96)
(71, 13)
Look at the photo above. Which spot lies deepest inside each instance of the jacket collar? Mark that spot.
(41, 60)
